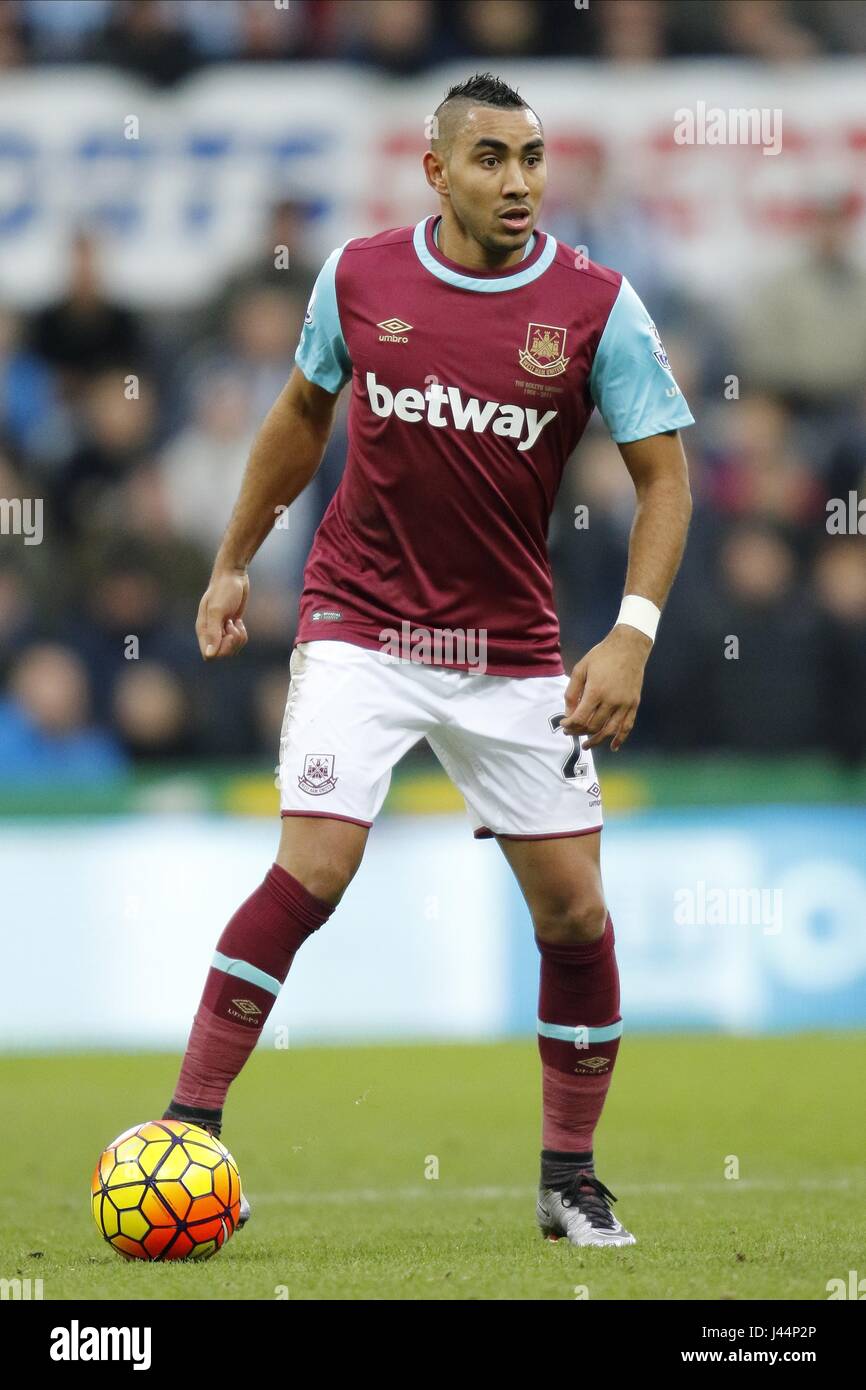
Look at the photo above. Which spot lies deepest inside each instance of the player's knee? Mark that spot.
(323, 855)
(325, 876)
(570, 921)
(327, 881)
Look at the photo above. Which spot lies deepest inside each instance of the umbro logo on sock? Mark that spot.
(246, 1006)
(593, 1064)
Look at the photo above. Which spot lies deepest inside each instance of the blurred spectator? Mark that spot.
(117, 424)
(17, 614)
(30, 410)
(840, 582)
(146, 40)
(126, 616)
(767, 29)
(751, 684)
(202, 467)
(773, 31)
(494, 28)
(803, 332)
(85, 331)
(215, 27)
(285, 239)
(12, 48)
(633, 31)
(151, 713)
(757, 471)
(263, 331)
(61, 31)
(269, 33)
(137, 504)
(608, 223)
(45, 730)
(589, 543)
(846, 469)
(399, 39)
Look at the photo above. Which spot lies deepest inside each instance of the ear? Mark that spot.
(434, 172)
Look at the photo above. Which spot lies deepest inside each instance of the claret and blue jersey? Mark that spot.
(470, 390)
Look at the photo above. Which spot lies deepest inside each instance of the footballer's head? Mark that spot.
(486, 162)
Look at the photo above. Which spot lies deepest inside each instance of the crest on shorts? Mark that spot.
(318, 775)
(544, 353)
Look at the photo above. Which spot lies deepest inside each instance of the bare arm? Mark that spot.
(604, 691)
(286, 454)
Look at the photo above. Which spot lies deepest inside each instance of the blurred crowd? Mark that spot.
(133, 428)
(134, 432)
(762, 646)
(163, 41)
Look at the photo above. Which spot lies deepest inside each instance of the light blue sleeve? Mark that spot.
(631, 379)
(322, 354)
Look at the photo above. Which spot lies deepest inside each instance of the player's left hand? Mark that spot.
(604, 691)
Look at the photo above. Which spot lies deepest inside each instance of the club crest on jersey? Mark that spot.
(318, 775)
(544, 353)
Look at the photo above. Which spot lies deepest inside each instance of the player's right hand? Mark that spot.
(220, 626)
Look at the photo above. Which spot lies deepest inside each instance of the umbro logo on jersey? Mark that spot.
(394, 331)
(410, 405)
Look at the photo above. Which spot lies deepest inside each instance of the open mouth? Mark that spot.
(516, 219)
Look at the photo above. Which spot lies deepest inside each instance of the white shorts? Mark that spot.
(352, 713)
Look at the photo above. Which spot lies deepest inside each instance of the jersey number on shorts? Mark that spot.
(572, 767)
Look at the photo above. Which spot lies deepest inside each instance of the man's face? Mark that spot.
(496, 175)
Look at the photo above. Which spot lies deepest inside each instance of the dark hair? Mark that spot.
(485, 89)
(482, 90)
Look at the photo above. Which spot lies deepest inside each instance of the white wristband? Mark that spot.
(640, 613)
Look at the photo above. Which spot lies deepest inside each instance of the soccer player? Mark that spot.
(476, 347)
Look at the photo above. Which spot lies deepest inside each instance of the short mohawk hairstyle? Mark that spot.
(481, 90)
(486, 90)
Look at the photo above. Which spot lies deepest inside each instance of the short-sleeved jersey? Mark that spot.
(470, 390)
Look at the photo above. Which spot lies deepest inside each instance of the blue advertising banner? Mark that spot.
(749, 920)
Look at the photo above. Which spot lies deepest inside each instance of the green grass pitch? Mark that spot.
(333, 1144)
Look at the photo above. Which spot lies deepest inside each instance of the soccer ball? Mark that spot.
(166, 1190)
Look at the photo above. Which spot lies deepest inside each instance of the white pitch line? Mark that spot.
(371, 1195)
